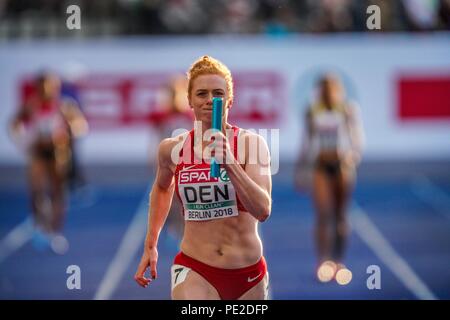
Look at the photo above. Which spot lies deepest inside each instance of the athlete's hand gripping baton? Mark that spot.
(216, 125)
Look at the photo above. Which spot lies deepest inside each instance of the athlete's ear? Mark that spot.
(230, 104)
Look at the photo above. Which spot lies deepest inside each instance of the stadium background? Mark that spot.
(127, 50)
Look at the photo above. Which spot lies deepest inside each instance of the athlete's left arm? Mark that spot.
(355, 130)
(75, 118)
(253, 184)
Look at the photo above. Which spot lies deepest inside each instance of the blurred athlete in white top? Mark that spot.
(331, 148)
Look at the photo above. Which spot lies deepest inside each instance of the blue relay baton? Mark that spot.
(216, 125)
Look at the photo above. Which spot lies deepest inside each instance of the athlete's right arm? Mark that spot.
(160, 202)
(17, 128)
(18, 119)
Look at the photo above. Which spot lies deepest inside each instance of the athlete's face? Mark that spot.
(204, 88)
(49, 87)
(331, 91)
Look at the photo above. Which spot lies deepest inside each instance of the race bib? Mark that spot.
(205, 197)
(327, 126)
(178, 274)
(328, 139)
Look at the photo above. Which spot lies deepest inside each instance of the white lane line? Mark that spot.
(130, 244)
(369, 233)
(432, 195)
(15, 239)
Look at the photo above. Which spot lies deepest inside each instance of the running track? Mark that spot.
(402, 226)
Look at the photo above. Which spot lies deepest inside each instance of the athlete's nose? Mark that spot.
(210, 98)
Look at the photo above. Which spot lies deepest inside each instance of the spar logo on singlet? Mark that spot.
(205, 197)
(224, 176)
(202, 176)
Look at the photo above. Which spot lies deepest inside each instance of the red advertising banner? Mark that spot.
(423, 97)
(117, 100)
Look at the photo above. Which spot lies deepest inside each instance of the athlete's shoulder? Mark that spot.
(315, 108)
(245, 133)
(250, 136)
(167, 145)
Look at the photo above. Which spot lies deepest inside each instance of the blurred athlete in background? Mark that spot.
(43, 127)
(330, 153)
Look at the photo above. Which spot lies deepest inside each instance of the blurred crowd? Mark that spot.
(46, 18)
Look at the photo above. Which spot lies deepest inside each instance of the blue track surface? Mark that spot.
(416, 227)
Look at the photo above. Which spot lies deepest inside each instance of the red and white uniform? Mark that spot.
(206, 198)
(203, 196)
(43, 121)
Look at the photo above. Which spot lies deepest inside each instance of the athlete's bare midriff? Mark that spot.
(327, 156)
(228, 243)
